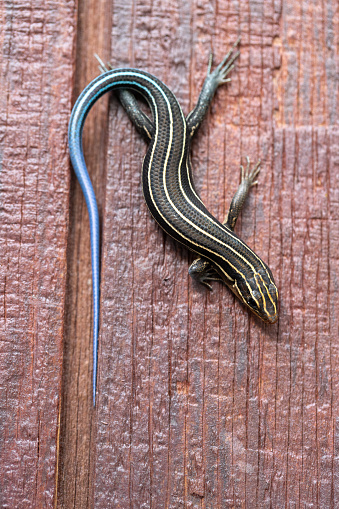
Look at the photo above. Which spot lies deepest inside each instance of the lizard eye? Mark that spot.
(251, 302)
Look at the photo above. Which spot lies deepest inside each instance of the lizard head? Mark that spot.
(259, 293)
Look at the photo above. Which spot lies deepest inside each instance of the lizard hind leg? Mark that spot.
(102, 67)
(226, 65)
(212, 81)
(142, 122)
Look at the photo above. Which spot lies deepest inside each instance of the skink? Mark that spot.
(169, 191)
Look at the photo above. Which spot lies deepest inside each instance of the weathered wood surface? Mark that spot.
(36, 89)
(199, 404)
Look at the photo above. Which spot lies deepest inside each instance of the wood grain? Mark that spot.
(199, 404)
(75, 458)
(36, 87)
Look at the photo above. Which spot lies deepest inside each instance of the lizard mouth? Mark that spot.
(272, 319)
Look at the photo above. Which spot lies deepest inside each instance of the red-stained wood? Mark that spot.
(36, 87)
(76, 433)
(199, 404)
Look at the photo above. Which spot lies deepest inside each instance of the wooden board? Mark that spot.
(36, 90)
(199, 404)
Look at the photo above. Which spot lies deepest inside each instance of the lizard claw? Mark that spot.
(225, 66)
(250, 176)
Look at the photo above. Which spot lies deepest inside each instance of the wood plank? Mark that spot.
(200, 404)
(75, 459)
(36, 87)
